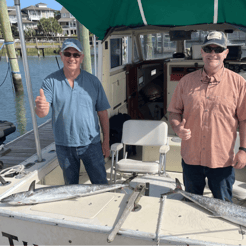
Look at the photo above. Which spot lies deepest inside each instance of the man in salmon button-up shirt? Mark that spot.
(206, 109)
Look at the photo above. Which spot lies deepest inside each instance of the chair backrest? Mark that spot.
(145, 132)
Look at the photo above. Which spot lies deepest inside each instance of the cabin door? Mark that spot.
(146, 90)
(132, 91)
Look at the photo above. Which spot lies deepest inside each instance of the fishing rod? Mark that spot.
(57, 62)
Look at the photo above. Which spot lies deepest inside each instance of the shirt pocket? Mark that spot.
(192, 102)
(225, 105)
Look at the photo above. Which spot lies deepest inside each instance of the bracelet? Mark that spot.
(242, 148)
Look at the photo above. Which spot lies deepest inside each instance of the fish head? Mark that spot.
(16, 199)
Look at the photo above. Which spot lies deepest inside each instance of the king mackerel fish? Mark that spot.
(57, 193)
(219, 208)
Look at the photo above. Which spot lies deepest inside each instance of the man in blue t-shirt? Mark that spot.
(77, 100)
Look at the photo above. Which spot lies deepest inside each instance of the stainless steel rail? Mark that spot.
(28, 80)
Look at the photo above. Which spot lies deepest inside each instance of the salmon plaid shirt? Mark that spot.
(212, 107)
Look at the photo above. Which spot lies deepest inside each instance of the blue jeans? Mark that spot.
(93, 160)
(220, 180)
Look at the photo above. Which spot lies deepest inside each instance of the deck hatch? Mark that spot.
(84, 207)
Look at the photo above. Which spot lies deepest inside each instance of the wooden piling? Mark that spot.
(10, 46)
(83, 36)
(43, 52)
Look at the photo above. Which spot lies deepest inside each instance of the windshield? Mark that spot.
(159, 45)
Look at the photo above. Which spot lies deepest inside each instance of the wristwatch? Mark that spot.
(242, 148)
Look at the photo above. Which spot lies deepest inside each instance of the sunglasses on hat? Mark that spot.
(209, 49)
(68, 54)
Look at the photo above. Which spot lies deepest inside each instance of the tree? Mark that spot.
(29, 32)
(49, 26)
(14, 30)
(57, 14)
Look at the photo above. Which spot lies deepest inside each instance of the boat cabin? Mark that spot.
(141, 69)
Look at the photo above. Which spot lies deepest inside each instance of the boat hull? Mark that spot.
(19, 232)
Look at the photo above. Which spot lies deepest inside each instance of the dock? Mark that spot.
(38, 48)
(24, 146)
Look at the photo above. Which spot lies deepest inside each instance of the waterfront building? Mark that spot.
(26, 23)
(68, 23)
(39, 11)
(30, 15)
(13, 17)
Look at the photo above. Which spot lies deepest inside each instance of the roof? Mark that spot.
(37, 8)
(103, 17)
(66, 19)
(11, 8)
(42, 3)
(13, 13)
(28, 22)
(63, 10)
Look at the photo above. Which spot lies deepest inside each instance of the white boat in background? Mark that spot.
(139, 74)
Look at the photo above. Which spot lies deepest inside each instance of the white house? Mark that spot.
(10, 8)
(29, 24)
(68, 23)
(13, 17)
(39, 11)
(31, 15)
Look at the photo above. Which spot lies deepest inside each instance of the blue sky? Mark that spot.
(25, 3)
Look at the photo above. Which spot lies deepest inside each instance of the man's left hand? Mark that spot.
(105, 149)
(240, 160)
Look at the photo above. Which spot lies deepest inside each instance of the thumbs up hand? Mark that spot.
(42, 106)
(41, 92)
(183, 132)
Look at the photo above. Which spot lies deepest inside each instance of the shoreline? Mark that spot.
(36, 49)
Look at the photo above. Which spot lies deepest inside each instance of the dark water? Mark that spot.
(17, 109)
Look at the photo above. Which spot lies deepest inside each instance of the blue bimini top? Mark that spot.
(74, 110)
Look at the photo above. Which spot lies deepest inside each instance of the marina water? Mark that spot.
(17, 109)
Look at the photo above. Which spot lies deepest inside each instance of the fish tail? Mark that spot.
(178, 187)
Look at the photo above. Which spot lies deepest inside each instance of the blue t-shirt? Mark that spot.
(74, 110)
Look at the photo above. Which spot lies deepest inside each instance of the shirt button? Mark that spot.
(207, 97)
(205, 110)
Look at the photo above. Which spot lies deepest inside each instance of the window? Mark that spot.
(196, 38)
(157, 46)
(119, 51)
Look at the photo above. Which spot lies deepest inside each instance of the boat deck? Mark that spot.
(24, 146)
(179, 222)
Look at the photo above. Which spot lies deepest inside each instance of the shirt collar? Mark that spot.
(216, 78)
